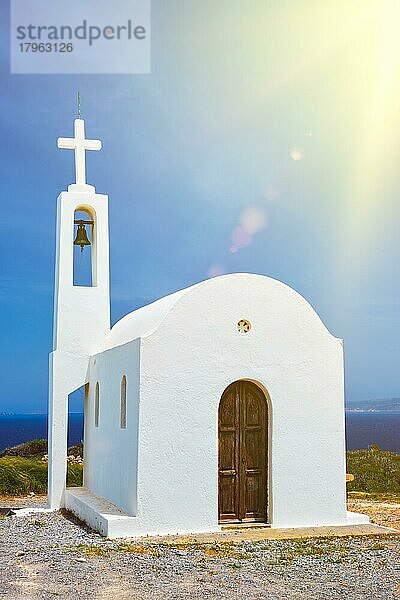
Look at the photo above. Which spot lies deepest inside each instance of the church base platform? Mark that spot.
(257, 534)
(357, 518)
(100, 514)
(112, 522)
(349, 519)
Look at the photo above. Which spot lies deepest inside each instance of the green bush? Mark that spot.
(23, 475)
(374, 470)
(27, 449)
(37, 448)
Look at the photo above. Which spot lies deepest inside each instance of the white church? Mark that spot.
(221, 403)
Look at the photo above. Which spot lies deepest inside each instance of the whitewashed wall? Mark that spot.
(186, 362)
(111, 452)
(81, 322)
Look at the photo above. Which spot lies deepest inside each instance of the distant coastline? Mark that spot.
(34, 414)
(373, 410)
(386, 405)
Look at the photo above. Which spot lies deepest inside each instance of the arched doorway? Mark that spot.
(242, 453)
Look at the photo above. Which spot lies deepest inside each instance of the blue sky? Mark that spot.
(279, 114)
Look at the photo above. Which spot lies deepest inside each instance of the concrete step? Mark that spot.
(244, 525)
(100, 514)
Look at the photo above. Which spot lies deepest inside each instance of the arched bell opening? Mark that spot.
(84, 247)
(243, 450)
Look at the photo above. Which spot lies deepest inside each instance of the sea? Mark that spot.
(362, 429)
(16, 429)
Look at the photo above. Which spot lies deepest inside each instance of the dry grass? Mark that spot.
(105, 549)
(19, 475)
(283, 553)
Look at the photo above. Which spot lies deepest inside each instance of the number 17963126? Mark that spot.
(46, 47)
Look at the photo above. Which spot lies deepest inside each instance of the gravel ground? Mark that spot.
(50, 555)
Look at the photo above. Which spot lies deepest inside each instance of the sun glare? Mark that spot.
(376, 128)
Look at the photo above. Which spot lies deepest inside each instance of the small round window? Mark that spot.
(244, 326)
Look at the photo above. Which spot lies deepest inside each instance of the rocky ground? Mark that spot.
(385, 511)
(50, 555)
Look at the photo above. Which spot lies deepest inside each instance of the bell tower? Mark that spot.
(81, 312)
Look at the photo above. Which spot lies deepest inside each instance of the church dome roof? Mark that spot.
(145, 320)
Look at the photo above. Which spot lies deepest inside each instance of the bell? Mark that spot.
(81, 237)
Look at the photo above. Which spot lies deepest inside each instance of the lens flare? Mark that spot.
(253, 220)
(216, 270)
(296, 154)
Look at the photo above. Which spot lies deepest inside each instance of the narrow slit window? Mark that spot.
(96, 405)
(123, 402)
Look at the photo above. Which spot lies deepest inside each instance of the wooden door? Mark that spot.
(243, 449)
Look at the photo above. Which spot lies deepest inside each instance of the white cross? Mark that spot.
(80, 145)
